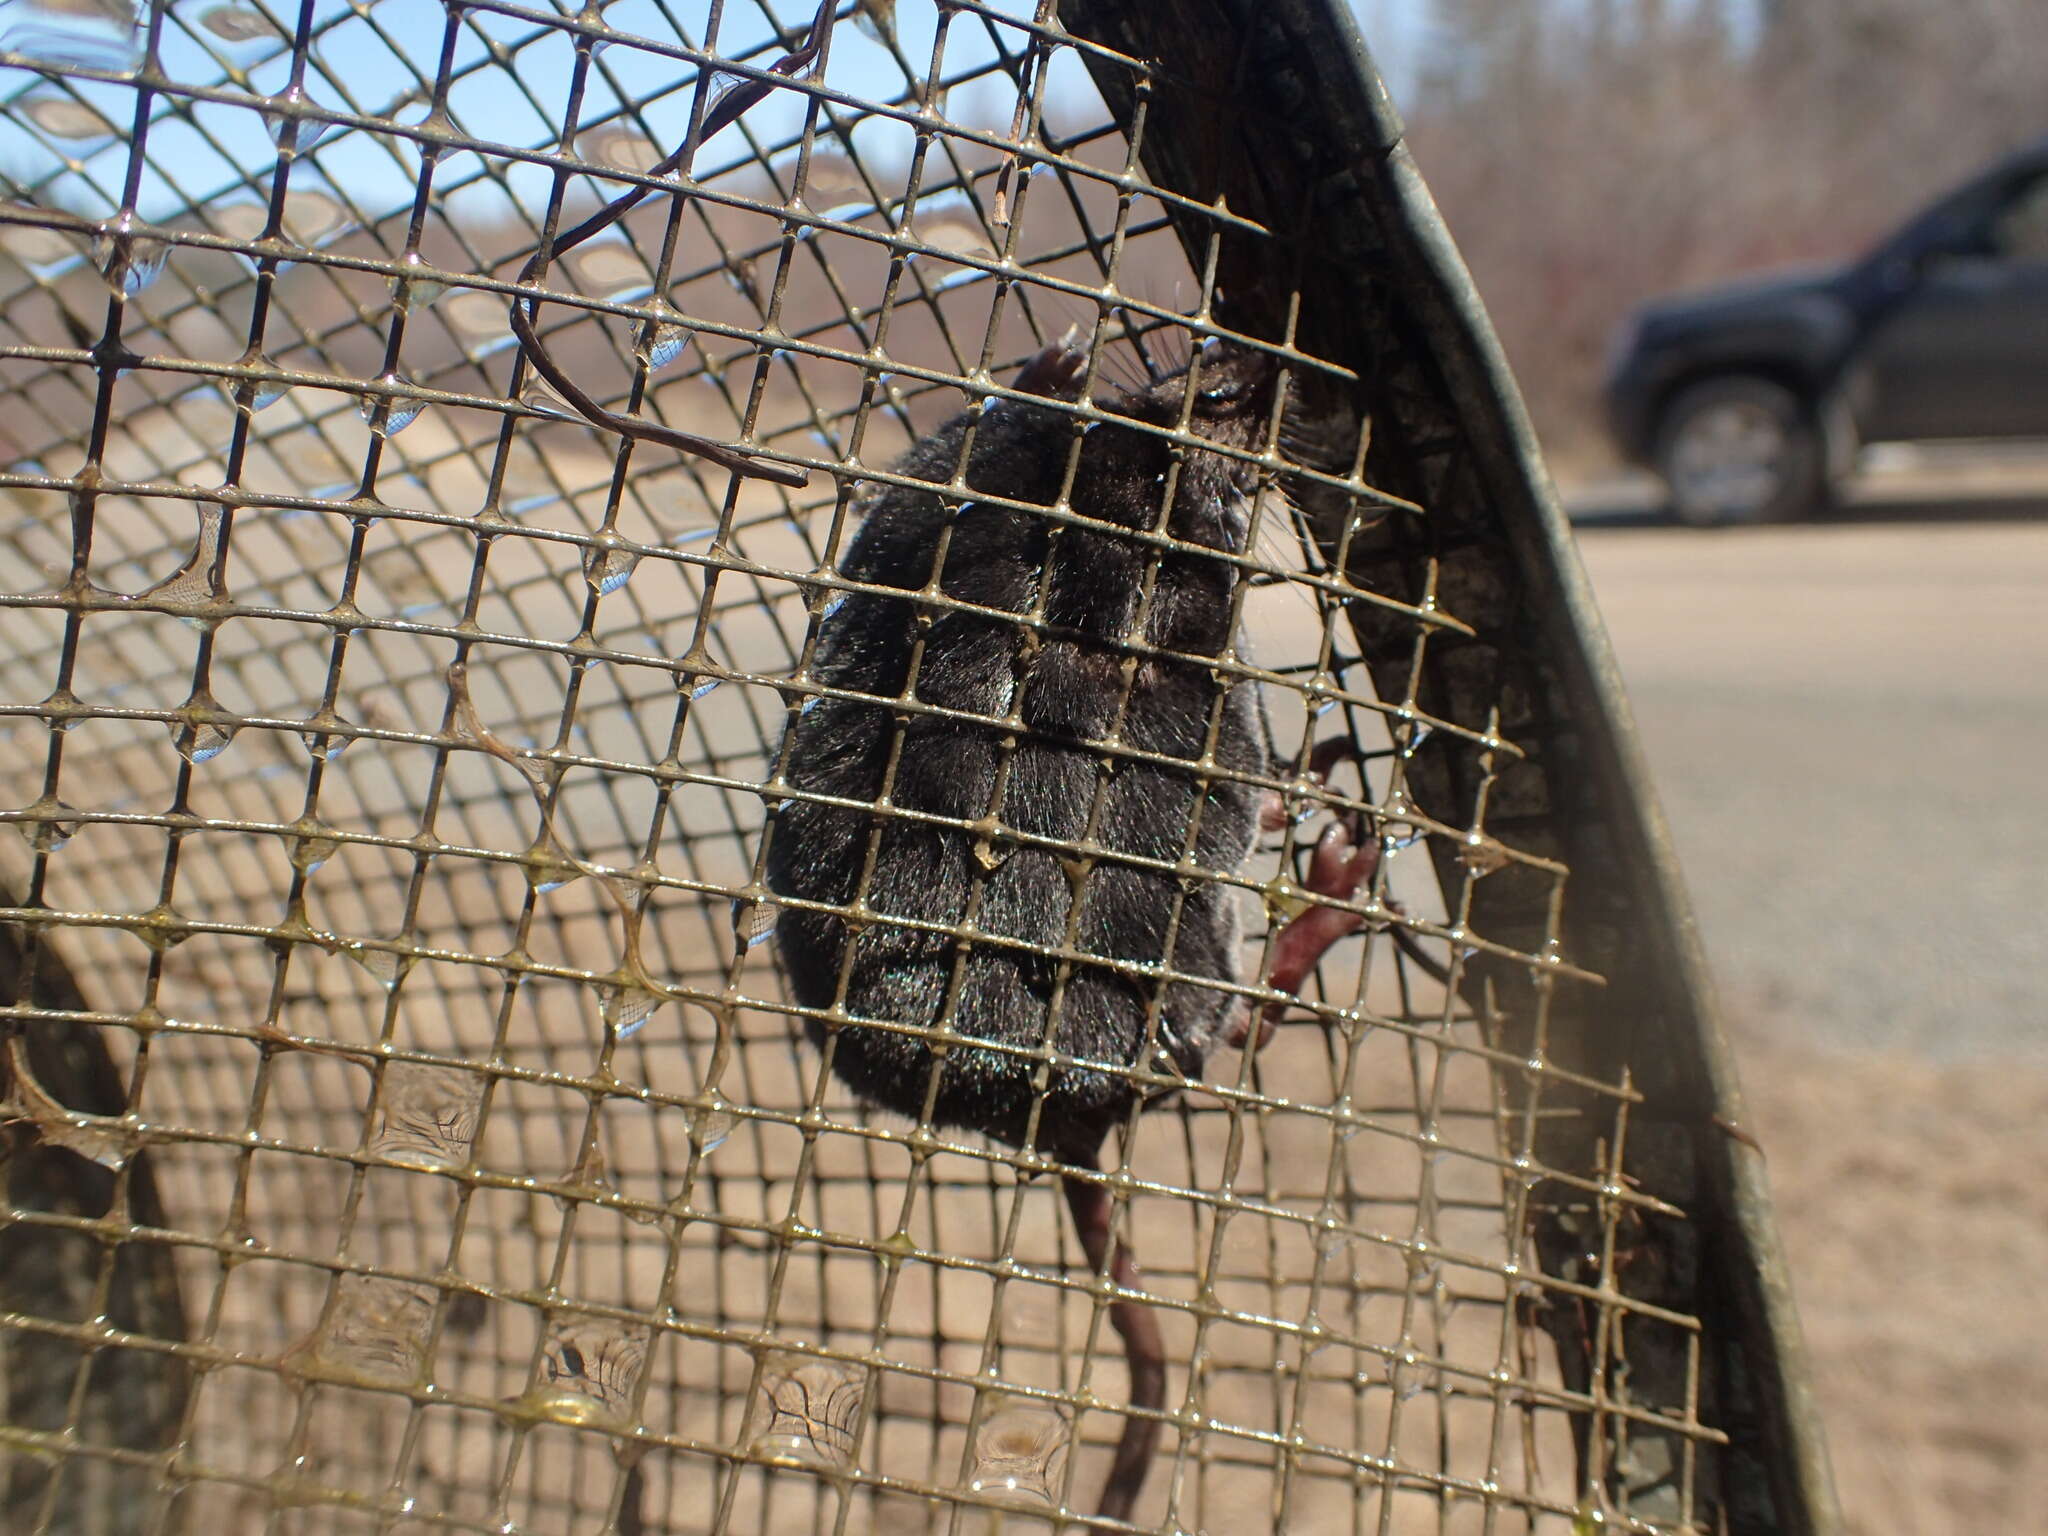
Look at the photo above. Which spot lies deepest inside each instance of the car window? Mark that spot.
(2019, 231)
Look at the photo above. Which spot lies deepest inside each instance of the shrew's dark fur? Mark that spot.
(1048, 697)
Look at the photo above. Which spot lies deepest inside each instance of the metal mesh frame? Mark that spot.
(408, 1130)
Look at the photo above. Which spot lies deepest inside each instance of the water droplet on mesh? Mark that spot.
(415, 290)
(589, 1369)
(753, 922)
(547, 867)
(60, 40)
(427, 1115)
(1397, 827)
(877, 18)
(197, 732)
(257, 394)
(665, 346)
(309, 852)
(53, 825)
(237, 23)
(591, 1171)
(103, 1138)
(60, 709)
(375, 1334)
(196, 590)
(1323, 707)
(261, 394)
(266, 392)
(163, 928)
(539, 398)
(130, 263)
(386, 967)
(64, 117)
(285, 117)
(592, 1174)
(722, 86)
(329, 739)
(959, 278)
(710, 1126)
(1018, 1454)
(808, 1409)
(608, 565)
(1481, 855)
(628, 1005)
(400, 411)
(704, 687)
(1283, 899)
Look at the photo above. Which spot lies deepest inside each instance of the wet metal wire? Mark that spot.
(406, 1128)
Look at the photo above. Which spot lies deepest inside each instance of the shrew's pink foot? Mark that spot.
(1340, 867)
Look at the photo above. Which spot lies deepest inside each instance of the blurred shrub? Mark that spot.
(1592, 153)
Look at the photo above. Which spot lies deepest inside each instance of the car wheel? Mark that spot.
(1739, 449)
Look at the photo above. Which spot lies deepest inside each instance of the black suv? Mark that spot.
(1749, 400)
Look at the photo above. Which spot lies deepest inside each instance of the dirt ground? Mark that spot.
(1913, 1209)
(1847, 724)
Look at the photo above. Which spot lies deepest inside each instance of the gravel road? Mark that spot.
(1849, 730)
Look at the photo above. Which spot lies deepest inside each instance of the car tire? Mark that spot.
(1740, 449)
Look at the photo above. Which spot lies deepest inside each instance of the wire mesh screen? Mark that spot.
(413, 1123)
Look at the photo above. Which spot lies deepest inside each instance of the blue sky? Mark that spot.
(234, 148)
